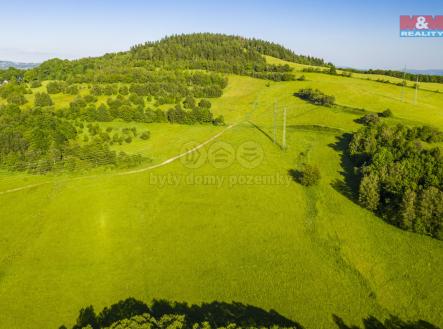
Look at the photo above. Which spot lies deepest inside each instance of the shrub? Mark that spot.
(386, 114)
(35, 84)
(16, 99)
(369, 119)
(123, 90)
(332, 70)
(315, 96)
(136, 100)
(96, 90)
(145, 135)
(204, 104)
(109, 90)
(72, 90)
(219, 121)
(55, 87)
(189, 103)
(90, 99)
(42, 99)
(309, 176)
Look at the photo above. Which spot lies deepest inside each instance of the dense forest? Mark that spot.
(221, 53)
(401, 175)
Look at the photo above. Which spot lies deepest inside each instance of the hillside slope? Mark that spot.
(241, 232)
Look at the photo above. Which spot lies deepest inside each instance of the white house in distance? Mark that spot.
(4, 82)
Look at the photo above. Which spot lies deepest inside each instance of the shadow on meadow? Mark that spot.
(135, 314)
(295, 174)
(392, 322)
(216, 314)
(348, 186)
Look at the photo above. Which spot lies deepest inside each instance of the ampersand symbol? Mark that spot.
(421, 23)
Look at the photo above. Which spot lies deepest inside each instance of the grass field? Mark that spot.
(298, 68)
(230, 234)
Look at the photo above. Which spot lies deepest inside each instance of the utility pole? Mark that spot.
(404, 82)
(254, 109)
(284, 129)
(275, 122)
(416, 91)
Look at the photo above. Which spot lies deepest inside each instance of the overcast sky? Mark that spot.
(361, 34)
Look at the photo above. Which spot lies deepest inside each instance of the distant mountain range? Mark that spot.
(7, 64)
(426, 72)
(411, 71)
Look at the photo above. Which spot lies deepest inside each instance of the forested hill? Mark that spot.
(202, 47)
(211, 52)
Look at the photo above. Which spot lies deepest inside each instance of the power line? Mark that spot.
(284, 129)
(275, 122)
(416, 91)
(404, 83)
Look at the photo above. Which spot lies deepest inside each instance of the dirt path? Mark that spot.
(131, 172)
(199, 146)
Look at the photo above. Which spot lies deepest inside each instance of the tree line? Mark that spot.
(133, 108)
(399, 74)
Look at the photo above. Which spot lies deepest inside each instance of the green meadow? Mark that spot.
(251, 235)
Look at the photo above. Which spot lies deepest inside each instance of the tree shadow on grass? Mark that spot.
(348, 185)
(221, 314)
(392, 322)
(295, 174)
(218, 314)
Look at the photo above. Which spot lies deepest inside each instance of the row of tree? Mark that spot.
(129, 108)
(331, 71)
(401, 179)
(159, 84)
(38, 141)
(133, 109)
